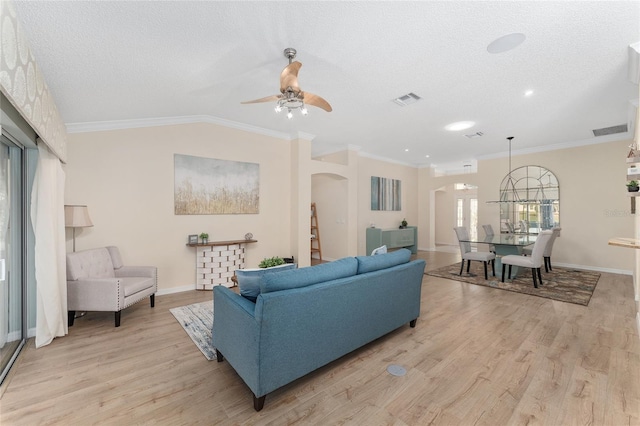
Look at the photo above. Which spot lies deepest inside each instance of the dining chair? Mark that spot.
(547, 251)
(468, 255)
(488, 230)
(534, 261)
(524, 228)
(510, 228)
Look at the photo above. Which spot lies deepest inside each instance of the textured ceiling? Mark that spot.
(128, 60)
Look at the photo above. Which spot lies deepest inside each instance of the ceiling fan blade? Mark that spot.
(266, 99)
(317, 101)
(289, 77)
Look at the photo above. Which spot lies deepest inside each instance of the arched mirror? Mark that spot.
(529, 200)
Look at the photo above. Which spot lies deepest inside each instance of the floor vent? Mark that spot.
(408, 99)
(621, 128)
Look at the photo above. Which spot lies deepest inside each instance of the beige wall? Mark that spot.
(593, 202)
(593, 208)
(125, 177)
(368, 167)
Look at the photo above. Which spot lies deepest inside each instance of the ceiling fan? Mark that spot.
(291, 96)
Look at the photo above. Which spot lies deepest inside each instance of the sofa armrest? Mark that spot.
(136, 271)
(95, 294)
(236, 333)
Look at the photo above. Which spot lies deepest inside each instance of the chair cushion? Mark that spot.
(133, 285)
(483, 256)
(382, 261)
(303, 277)
(515, 260)
(249, 279)
(116, 259)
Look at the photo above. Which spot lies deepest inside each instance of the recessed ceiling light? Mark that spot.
(406, 150)
(528, 93)
(427, 156)
(506, 43)
(459, 125)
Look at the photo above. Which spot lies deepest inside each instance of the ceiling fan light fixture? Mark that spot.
(304, 110)
(289, 114)
(278, 108)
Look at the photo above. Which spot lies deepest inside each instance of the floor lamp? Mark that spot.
(76, 217)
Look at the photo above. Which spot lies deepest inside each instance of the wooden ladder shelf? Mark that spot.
(315, 232)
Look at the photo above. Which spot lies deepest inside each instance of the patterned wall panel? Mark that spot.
(23, 84)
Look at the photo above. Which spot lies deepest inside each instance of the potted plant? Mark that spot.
(271, 262)
(403, 224)
(632, 186)
(204, 237)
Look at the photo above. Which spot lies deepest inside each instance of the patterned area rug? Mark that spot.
(565, 285)
(197, 320)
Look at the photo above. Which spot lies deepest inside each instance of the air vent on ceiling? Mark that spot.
(408, 99)
(621, 128)
(474, 135)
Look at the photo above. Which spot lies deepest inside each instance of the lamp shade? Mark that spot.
(76, 217)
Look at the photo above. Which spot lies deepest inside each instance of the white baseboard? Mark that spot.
(176, 289)
(594, 268)
(31, 332)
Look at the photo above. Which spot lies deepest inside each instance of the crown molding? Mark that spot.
(387, 160)
(563, 145)
(99, 126)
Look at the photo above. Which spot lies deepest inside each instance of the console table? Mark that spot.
(216, 262)
(393, 238)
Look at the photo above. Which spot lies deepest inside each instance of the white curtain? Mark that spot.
(47, 216)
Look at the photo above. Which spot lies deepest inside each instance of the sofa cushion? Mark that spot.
(382, 261)
(249, 279)
(308, 276)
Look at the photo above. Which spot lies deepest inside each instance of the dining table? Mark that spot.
(505, 244)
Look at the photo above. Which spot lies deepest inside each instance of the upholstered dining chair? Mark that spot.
(488, 230)
(547, 251)
(534, 261)
(468, 255)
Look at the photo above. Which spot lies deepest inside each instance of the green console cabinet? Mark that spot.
(393, 238)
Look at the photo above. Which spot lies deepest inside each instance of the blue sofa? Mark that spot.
(307, 317)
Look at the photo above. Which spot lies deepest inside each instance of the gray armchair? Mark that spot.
(98, 281)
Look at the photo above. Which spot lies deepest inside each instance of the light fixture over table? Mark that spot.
(291, 97)
(76, 217)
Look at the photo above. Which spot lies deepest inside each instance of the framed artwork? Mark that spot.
(212, 186)
(193, 239)
(386, 194)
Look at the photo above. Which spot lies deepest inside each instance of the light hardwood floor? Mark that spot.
(478, 356)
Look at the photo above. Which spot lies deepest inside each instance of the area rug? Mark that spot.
(564, 285)
(197, 320)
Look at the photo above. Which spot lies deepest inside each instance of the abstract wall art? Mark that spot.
(386, 194)
(212, 186)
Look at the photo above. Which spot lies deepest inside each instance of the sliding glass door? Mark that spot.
(12, 318)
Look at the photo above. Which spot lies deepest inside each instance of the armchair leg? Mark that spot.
(153, 300)
(71, 315)
(412, 324)
(118, 318)
(219, 356)
(258, 403)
